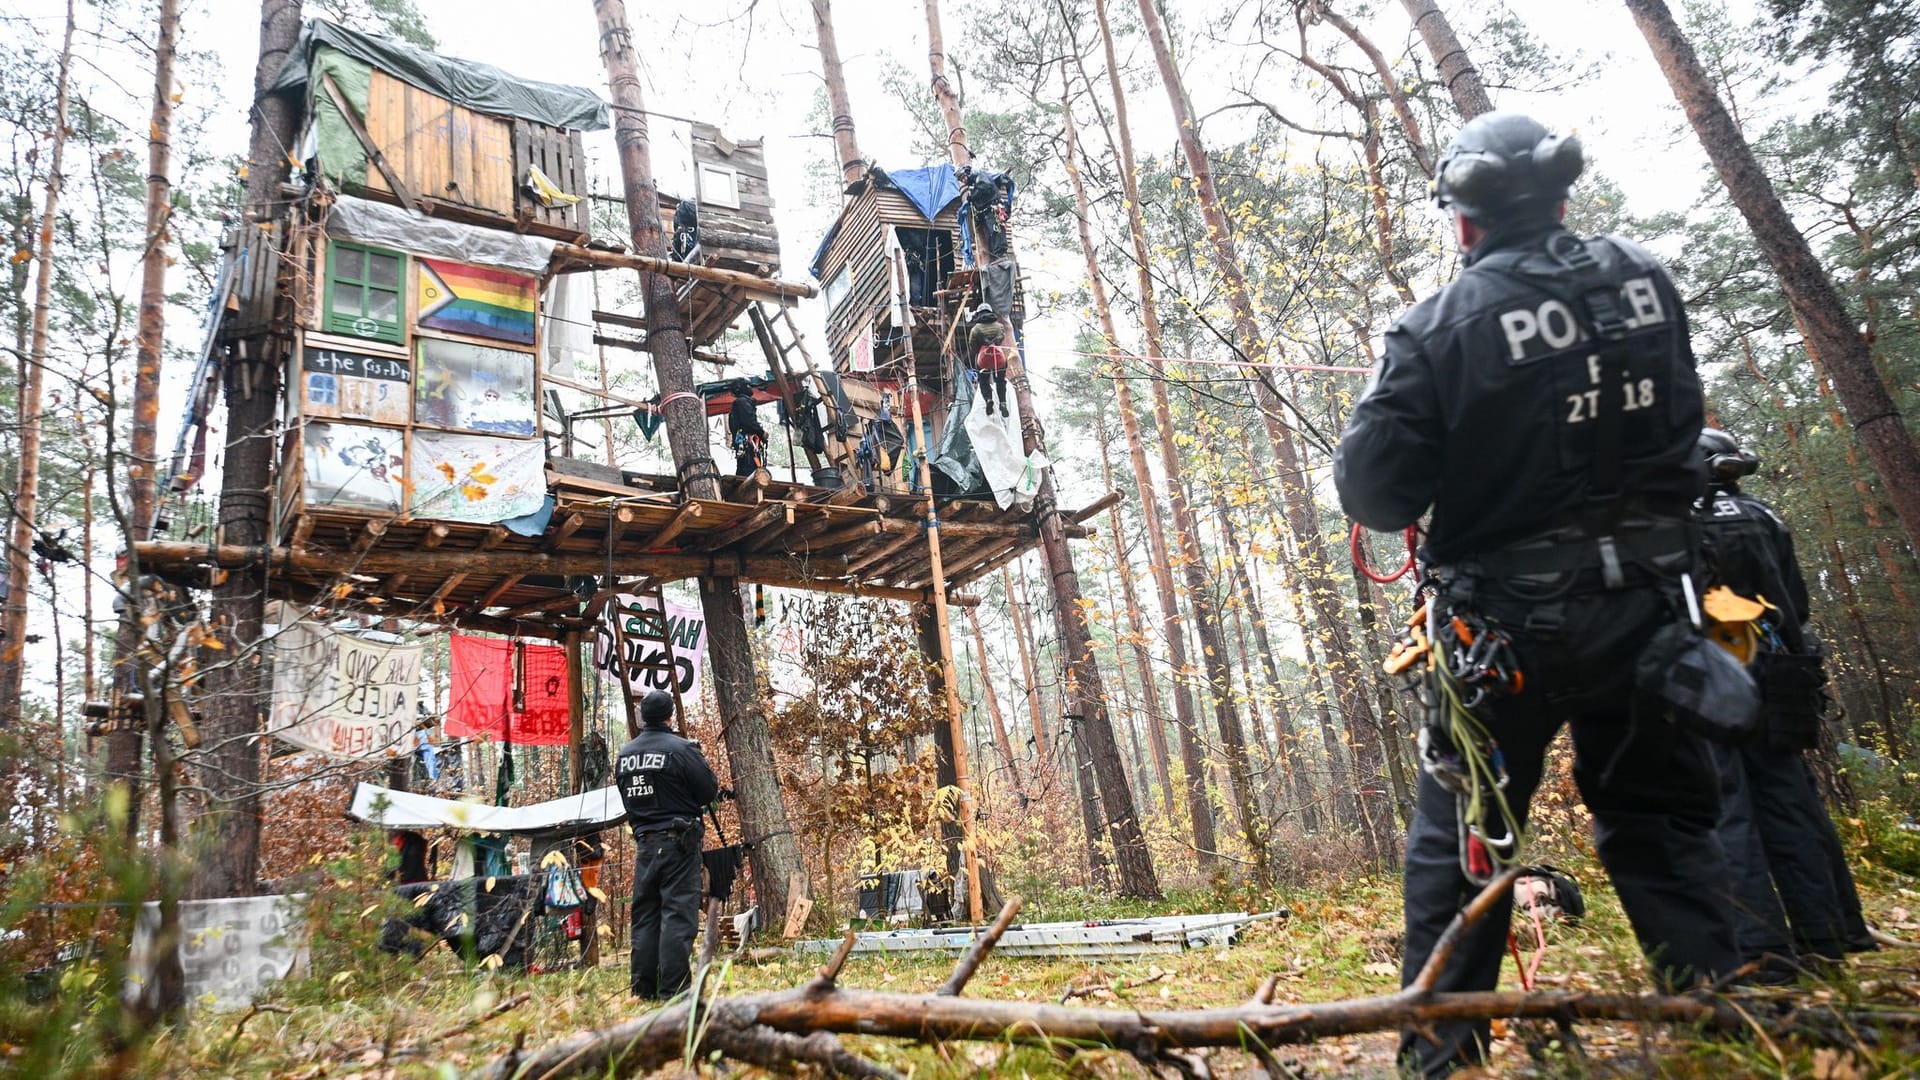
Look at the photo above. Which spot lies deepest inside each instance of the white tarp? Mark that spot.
(566, 324)
(687, 626)
(397, 227)
(477, 478)
(343, 695)
(231, 949)
(1013, 476)
(410, 810)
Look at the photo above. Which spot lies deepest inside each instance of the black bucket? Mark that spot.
(828, 477)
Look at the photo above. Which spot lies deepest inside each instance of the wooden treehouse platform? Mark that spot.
(489, 578)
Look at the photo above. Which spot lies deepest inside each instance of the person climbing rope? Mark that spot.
(986, 355)
(1545, 406)
(749, 439)
(1789, 867)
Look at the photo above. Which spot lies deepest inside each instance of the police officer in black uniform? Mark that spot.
(1545, 406)
(1786, 852)
(664, 782)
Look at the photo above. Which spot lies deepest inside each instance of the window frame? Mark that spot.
(334, 322)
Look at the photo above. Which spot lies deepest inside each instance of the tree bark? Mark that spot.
(1456, 68)
(1137, 631)
(1086, 694)
(1302, 515)
(852, 166)
(773, 855)
(27, 410)
(1831, 331)
(946, 773)
(1027, 648)
(1286, 741)
(1001, 741)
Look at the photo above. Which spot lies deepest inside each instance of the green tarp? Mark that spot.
(480, 87)
(342, 157)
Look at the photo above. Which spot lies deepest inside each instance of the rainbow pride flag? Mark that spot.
(462, 299)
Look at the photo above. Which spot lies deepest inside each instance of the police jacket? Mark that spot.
(1750, 551)
(1489, 397)
(663, 779)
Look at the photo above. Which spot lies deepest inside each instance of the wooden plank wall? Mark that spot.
(438, 149)
(862, 244)
(743, 238)
(559, 154)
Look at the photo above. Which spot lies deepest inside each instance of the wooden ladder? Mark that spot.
(650, 626)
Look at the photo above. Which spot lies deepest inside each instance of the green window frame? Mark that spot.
(364, 296)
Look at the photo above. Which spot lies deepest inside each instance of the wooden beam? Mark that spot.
(564, 532)
(768, 534)
(860, 567)
(838, 537)
(576, 714)
(436, 535)
(751, 284)
(499, 589)
(752, 523)
(359, 129)
(302, 530)
(687, 516)
(665, 567)
(1095, 508)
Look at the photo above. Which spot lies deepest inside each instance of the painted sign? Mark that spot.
(644, 625)
(861, 357)
(353, 467)
(344, 384)
(344, 695)
(478, 388)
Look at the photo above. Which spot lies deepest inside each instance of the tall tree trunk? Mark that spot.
(1192, 754)
(229, 863)
(1299, 787)
(1302, 515)
(1000, 739)
(1822, 315)
(1028, 649)
(852, 166)
(1137, 631)
(774, 855)
(33, 374)
(1086, 693)
(1389, 82)
(946, 772)
(1456, 68)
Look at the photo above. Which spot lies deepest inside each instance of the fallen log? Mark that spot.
(1154, 1037)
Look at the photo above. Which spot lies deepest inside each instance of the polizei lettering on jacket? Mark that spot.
(1546, 328)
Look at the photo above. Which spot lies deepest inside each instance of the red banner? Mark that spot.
(482, 699)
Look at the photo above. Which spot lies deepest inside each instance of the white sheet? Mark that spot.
(1013, 476)
(409, 810)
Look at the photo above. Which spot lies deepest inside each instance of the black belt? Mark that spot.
(676, 827)
(1610, 553)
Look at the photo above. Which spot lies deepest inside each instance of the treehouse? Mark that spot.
(420, 299)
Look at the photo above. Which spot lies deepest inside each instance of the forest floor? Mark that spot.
(390, 1018)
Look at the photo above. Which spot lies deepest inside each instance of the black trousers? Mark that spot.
(1652, 789)
(666, 910)
(1759, 922)
(1803, 854)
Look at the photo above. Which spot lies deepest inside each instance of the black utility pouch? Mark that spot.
(1793, 699)
(1707, 691)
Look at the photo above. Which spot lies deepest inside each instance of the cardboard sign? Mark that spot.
(345, 384)
(799, 906)
(342, 695)
(643, 625)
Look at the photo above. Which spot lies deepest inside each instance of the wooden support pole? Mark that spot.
(687, 516)
(576, 722)
(949, 675)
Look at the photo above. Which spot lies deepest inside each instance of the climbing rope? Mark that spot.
(1356, 545)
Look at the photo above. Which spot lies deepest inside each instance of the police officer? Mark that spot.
(664, 783)
(1785, 850)
(1545, 406)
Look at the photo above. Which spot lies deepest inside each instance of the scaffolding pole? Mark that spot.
(937, 589)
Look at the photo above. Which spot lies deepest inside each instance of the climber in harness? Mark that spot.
(686, 231)
(748, 438)
(1789, 868)
(1544, 406)
(987, 357)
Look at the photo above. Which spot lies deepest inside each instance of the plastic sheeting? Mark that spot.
(396, 227)
(954, 455)
(481, 87)
(1013, 475)
(566, 331)
(589, 811)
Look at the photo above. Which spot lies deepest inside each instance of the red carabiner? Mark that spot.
(1354, 545)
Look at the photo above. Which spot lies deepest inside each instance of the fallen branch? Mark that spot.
(751, 1024)
(1091, 989)
(982, 945)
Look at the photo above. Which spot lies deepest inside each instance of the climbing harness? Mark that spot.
(1456, 664)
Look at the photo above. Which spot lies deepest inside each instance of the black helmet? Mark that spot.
(656, 707)
(1505, 164)
(1726, 460)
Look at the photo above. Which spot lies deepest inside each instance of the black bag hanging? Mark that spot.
(1705, 689)
(1793, 699)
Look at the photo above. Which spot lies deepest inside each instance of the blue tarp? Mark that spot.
(931, 190)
